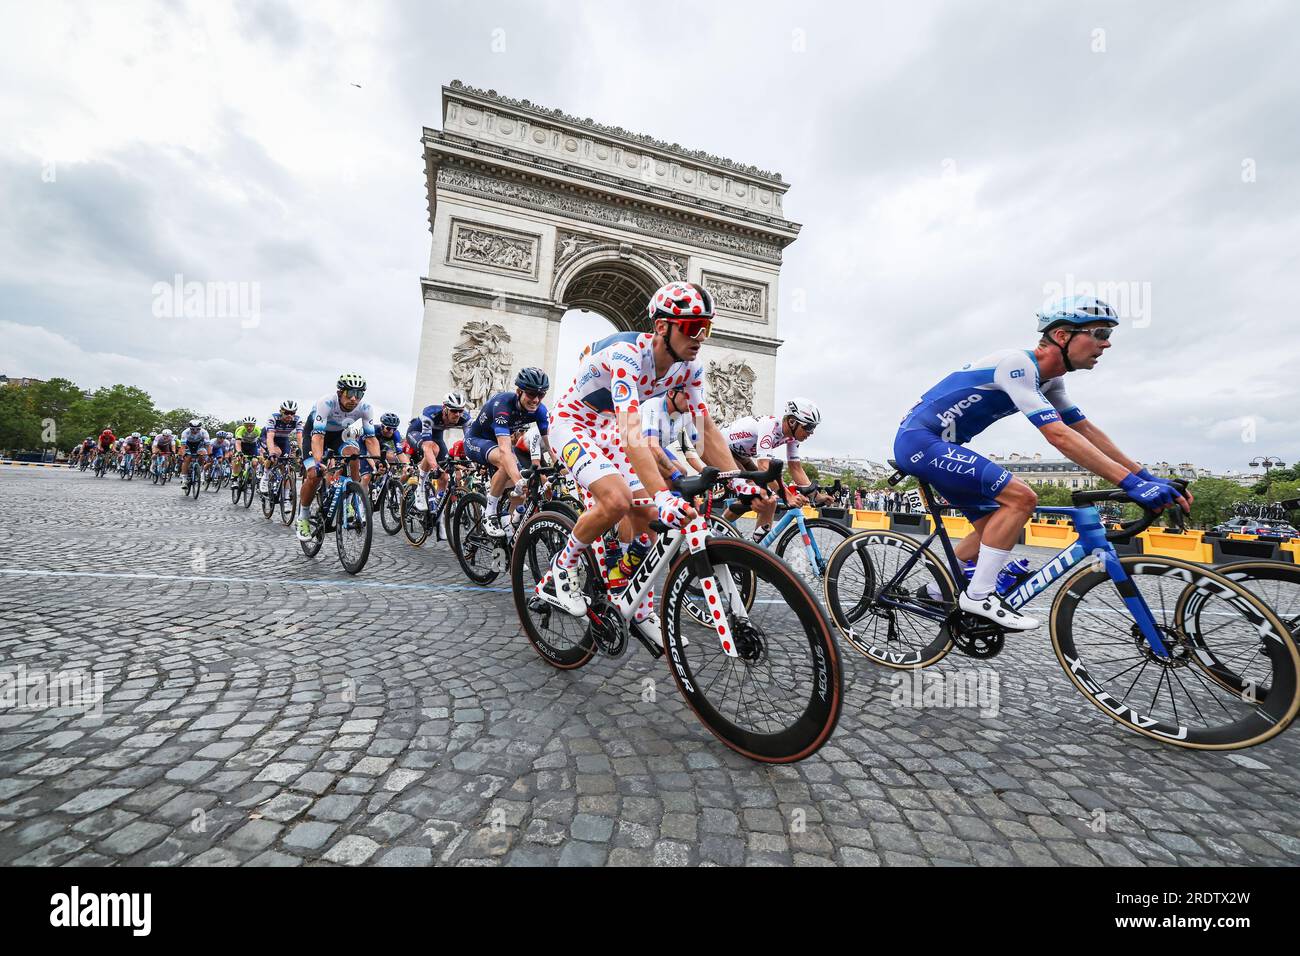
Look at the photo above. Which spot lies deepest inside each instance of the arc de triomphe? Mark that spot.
(534, 212)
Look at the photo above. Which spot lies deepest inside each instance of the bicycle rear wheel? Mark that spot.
(809, 565)
(271, 498)
(778, 700)
(887, 631)
(316, 521)
(1222, 687)
(1275, 583)
(560, 639)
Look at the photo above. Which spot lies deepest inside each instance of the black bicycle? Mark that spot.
(342, 506)
(282, 490)
(482, 557)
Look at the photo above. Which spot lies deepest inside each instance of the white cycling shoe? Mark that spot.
(558, 588)
(421, 499)
(492, 527)
(993, 608)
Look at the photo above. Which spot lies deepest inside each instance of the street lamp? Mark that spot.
(1267, 462)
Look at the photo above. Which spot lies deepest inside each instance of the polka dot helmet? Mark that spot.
(680, 300)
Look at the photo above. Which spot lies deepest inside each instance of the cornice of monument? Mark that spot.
(546, 194)
(462, 148)
(641, 139)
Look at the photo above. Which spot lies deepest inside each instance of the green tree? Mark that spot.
(20, 426)
(53, 402)
(1215, 499)
(1052, 496)
(123, 408)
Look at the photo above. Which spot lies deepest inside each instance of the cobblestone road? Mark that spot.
(265, 709)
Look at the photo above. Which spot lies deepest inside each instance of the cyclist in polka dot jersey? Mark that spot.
(597, 432)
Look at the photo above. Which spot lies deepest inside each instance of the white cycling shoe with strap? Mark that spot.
(994, 608)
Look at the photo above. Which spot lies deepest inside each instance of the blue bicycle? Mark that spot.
(804, 543)
(1122, 627)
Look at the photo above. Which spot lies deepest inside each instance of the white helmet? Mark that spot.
(455, 401)
(803, 411)
(354, 431)
(167, 432)
(289, 405)
(195, 424)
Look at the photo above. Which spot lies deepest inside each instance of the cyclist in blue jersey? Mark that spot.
(282, 430)
(425, 433)
(930, 443)
(391, 445)
(334, 414)
(488, 442)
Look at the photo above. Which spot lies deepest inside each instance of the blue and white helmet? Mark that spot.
(1076, 310)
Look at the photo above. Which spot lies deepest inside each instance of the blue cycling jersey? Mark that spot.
(997, 385)
(501, 415)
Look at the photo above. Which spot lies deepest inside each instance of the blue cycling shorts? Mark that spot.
(477, 449)
(969, 481)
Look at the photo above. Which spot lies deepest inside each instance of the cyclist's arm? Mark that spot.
(1101, 441)
(1076, 446)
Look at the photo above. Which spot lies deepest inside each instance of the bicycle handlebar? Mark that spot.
(699, 484)
(1127, 529)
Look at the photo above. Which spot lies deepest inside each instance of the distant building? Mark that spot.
(21, 382)
(863, 468)
(1036, 470)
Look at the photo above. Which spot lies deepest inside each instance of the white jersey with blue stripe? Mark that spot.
(665, 425)
(979, 394)
(328, 416)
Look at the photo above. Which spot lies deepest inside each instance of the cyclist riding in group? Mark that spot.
(597, 433)
(247, 435)
(131, 449)
(282, 430)
(754, 439)
(391, 445)
(663, 420)
(106, 441)
(332, 414)
(487, 439)
(194, 441)
(424, 435)
(931, 440)
(164, 445)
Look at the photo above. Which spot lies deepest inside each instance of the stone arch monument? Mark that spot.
(534, 212)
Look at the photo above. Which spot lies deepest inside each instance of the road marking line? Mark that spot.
(24, 572)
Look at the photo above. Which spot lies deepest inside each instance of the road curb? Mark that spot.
(34, 464)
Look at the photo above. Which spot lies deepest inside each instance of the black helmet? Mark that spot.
(533, 378)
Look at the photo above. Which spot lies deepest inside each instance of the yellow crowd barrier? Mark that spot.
(1049, 534)
(957, 526)
(870, 519)
(1188, 545)
(1237, 536)
(1292, 548)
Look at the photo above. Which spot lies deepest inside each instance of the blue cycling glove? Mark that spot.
(1149, 494)
(1147, 476)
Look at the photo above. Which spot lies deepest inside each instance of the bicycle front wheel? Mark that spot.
(1232, 684)
(288, 499)
(415, 525)
(390, 507)
(779, 698)
(353, 529)
(480, 556)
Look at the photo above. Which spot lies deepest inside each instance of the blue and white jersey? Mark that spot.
(433, 420)
(502, 415)
(327, 415)
(192, 437)
(283, 428)
(665, 425)
(979, 394)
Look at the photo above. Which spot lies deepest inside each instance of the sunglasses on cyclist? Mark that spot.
(354, 392)
(534, 393)
(694, 328)
(1101, 335)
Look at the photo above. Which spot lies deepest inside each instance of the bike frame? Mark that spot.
(660, 557)
(1091, 545)
(795, 516)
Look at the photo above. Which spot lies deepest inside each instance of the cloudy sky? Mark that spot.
(952, 165)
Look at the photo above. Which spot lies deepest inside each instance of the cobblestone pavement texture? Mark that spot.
(261, 708)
